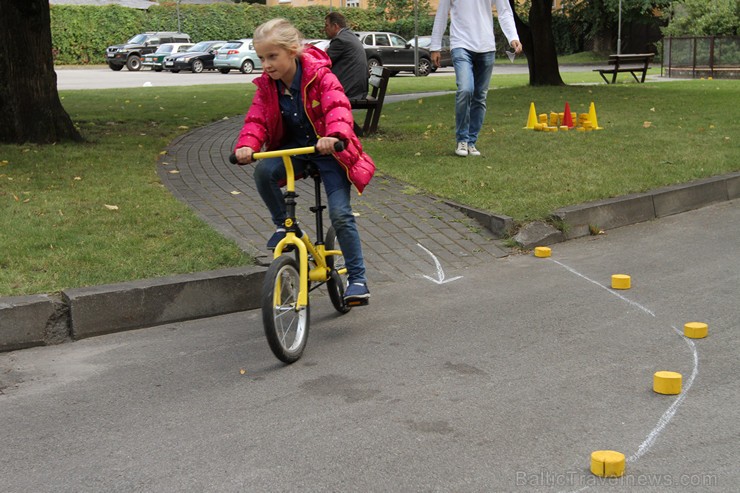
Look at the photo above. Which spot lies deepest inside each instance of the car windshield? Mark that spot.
(202, 46)
(233, 45)
(165, 48)
(138, 39)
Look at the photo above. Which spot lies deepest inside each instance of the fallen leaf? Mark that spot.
(242, 371)
(111, 207)
(417, 154)
(183, 127)
(652, 109)
(646, 124)
(235, 192)
(173, 171)
(3, 163)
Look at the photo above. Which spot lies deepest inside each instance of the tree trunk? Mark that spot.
(30, 110)
(538, 43)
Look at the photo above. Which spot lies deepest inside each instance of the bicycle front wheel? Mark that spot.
(337, 281)
(286, 328)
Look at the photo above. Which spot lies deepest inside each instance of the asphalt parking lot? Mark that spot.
(505, 379)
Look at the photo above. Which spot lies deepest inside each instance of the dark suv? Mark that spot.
(394, 53)
(130, 53)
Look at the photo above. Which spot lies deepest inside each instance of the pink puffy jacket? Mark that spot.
(328, 110)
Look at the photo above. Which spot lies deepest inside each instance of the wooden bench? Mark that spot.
(635, 63)
(373, 103)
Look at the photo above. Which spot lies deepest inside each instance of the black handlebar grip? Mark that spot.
(232, 158)
(339, 146)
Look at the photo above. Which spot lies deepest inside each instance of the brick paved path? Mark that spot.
(392, 219)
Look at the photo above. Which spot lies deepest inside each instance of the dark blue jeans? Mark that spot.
(270, 172)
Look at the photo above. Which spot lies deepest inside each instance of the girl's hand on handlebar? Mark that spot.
(244, 155)
(325, 145)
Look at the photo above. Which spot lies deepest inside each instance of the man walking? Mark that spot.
(473, 49)
(348, 59)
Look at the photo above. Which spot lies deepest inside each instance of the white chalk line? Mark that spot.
(671, 411)
(440, 271)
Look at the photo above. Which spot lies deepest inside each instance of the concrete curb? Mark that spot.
(27, 321)
(580, 220)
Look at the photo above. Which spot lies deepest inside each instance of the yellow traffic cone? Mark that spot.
(592, 117)
(532, 118)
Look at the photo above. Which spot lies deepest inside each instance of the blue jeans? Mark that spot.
(473, 75)
(270, 172)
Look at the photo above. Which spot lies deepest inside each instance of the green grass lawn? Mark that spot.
(86, 214)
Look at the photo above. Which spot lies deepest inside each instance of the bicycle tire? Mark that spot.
(285, 328)
(336, 282)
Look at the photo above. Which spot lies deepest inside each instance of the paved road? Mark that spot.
(503, 380)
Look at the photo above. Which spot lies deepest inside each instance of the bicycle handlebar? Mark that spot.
(338, 147)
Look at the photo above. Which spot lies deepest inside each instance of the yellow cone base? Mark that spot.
(695, 330)
(542, 252)
(607, 463)
(621, 281)
(667, 382)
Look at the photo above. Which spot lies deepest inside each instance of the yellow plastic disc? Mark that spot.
(667, 382)
(607, 463)
(695, 330)
(621, 281)
(542, 251)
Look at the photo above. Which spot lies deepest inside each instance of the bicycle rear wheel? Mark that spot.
(336, 282)
(285, 328)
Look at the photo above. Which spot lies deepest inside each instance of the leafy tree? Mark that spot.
(400, 9)
(703, 18)
(600, 18)
(538, 42)
(30, 109)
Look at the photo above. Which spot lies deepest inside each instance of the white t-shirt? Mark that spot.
(471, 24)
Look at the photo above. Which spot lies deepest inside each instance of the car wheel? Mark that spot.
(197, 66)
(425, 67)
(175, 71)
(372, 63)
(133, 63)
(115, 68)
(224, 70)
(157, 69)
(247, 67)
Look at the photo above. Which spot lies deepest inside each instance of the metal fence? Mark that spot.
(701, 56)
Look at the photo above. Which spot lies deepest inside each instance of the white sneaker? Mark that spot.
(472, 150)
(462, 149)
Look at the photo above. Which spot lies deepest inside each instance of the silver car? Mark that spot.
(238, 54)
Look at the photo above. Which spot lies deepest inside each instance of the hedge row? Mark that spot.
(80, 34)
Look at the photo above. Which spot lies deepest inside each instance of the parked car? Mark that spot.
(393, 52)
(154, 60)
(445, 57)
(129, 54)
(321, 44)
(197, 58)
(238, 54)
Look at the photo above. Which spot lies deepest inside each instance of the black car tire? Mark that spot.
(177, 70)
(157, 69)
(133, 63)
(373, 62)
(224, 70)
(115, 68)
(197, 66)
(247, 67)
(425, 67)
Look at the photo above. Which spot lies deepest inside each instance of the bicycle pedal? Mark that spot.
(357, 302)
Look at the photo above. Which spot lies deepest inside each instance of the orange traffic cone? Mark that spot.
(532, 118)
(567, 117)
(592, 117)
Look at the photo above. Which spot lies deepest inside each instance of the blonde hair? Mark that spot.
(279, 32)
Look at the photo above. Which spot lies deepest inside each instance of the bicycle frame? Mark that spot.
(305, 247)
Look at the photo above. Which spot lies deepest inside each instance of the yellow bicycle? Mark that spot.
(289, 279)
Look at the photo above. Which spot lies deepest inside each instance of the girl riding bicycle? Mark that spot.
(299, 103)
